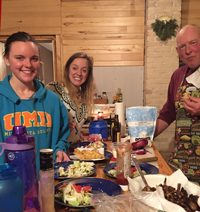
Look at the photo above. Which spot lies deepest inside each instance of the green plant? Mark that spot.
(165, 29)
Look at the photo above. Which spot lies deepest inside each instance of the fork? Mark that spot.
(79, 135)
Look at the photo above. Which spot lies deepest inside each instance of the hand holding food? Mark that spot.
(192, 105)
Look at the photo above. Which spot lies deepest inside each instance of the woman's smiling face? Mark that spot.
(23, 60)
(78, 71)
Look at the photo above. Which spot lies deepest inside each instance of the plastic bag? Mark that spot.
(124, 202)
(94, 137)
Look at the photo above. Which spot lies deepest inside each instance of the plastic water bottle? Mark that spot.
(20, 150)
(11, 189)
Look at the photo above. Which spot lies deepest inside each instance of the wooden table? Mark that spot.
(163, 169)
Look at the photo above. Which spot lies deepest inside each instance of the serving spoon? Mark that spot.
(133, 157)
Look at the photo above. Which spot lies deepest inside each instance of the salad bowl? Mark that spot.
(98, 185)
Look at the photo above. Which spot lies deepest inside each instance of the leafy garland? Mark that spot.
(165, 29)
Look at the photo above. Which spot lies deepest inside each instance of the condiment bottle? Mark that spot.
(95, 95)
(46, 181)
(119, 95)
(104, 95)
(116, 133)
(123, 164)
(11, 189)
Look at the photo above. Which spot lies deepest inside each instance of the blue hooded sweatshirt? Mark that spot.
(45, 117)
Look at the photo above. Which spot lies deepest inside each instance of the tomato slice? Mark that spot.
(62, 186)
(78, 188)
(133, 169)
(86, 189)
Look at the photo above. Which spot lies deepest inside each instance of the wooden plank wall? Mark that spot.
(37, 17)
(190, 12)
(112, 31)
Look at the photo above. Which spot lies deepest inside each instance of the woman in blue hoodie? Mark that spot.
(24, 101)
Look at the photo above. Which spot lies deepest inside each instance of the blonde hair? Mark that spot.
(87, 88)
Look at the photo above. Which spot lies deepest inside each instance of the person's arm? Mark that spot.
(160, 127)
(61, 133)
(168, 113)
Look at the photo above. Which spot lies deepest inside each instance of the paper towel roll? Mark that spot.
(120, 111)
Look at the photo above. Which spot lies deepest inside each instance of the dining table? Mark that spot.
(160, 164)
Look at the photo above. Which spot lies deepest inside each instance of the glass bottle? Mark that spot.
(46, 181)
(11, 189)
(123, 163)
(119, 95)
(104, 95)
(116, 133)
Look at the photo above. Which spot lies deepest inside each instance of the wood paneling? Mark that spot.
(190, 12)
(111, 31)
(36, 17)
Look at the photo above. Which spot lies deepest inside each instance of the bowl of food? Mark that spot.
(168, 193)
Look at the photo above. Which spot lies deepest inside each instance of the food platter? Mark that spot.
(107, 155)
(177, 180)
(83, 144)
(148, 168)
(98, 186)
(65, 164)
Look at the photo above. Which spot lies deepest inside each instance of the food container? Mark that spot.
(113, 147)
(157, 198)
(98, 127)
(123, 164)
(11, 189)
(123, 202)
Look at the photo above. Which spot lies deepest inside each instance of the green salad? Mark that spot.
(77, 169)
(74, 194)
(95, 145)
(134, 172)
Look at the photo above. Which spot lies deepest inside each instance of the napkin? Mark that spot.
(194, 78)
(156, 199)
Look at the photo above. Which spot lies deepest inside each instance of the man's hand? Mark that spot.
(61, 156)
(192, 105)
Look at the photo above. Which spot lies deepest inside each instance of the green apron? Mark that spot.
(186, 153)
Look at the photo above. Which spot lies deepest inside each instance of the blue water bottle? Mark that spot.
(20, 150)
(11, 189)
(98, 127)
